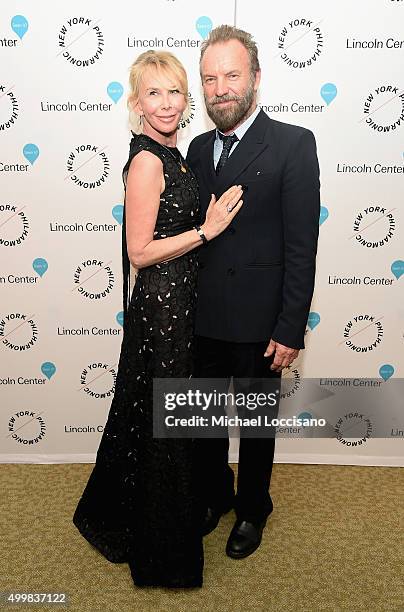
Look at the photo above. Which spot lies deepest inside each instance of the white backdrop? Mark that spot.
(335, 68)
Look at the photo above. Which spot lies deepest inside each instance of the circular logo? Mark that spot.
(290, 383)
(94, 279)
(81, 41)
(26, 427)
(374, 227)
(88, 166)
(14, 225)
(98, 380)
(18, 331)
(357, 425)
(383, 109)
(189, 113)
(300, 43)
(8, 107)
(363, 333)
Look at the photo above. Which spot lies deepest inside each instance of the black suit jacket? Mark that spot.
(256, 279)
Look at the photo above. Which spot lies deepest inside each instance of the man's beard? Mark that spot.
(227, 118)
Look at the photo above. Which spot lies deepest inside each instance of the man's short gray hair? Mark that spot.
(224, 33)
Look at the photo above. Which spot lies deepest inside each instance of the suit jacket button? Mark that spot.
(230, 271)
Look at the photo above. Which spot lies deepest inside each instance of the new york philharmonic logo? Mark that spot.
(94, 279)
(8, 107)
(98, 380)
(189, 113)
(300, 43)
(14, 225)
(88, 166)
(26, 427)
(374, 226)
(18, 332)
(291, 382)
(358, 425)
(383, 109)
(81, 41)
(363, 333)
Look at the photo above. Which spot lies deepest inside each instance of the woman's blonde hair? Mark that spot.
(166, 65)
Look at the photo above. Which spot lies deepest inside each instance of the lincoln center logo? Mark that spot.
(26, 427)
(8, 107)
(93, 279)
(13, 225)
(18, 331)
(363, 333)
(374, 226)
(300, 43)
(88, 166)
(81, 41)
(98, 380)
(383, 109)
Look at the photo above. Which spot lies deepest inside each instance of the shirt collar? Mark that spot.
(241, 130)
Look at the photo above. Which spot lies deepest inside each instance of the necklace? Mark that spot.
(180, 161)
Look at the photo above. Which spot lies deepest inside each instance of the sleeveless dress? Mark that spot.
(142, 504)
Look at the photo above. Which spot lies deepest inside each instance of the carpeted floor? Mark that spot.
(334, 542)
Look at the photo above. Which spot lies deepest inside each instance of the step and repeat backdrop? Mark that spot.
(335, 68)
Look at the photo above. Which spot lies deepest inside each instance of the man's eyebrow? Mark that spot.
(235, 71)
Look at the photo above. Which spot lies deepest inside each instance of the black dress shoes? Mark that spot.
(245, 537)
(212, 518)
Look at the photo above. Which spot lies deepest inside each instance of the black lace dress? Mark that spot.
(141, 504)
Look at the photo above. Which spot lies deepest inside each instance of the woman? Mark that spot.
(141, 502)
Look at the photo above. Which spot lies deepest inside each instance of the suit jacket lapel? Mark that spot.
(250, 146)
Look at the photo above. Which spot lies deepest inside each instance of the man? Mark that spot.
(256, 279)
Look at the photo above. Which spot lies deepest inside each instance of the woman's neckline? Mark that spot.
(154, 140)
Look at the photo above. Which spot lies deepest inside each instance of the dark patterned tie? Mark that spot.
(228, 142)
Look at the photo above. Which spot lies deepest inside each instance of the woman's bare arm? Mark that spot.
(145, 183)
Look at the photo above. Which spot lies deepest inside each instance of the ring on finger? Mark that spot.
(229, 208)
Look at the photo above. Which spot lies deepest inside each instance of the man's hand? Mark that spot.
(283, 355)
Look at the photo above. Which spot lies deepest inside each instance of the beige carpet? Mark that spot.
(334, 542)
